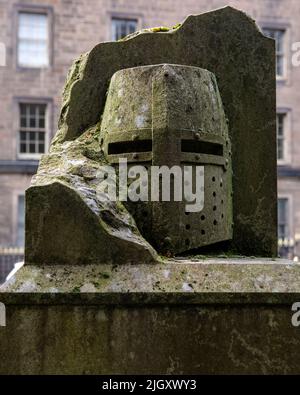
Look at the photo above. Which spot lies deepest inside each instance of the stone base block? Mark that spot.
(215, 316)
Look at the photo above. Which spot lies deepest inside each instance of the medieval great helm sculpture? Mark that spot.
(172, 115)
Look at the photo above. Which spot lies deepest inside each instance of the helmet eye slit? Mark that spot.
(202, 147)
(126, 147)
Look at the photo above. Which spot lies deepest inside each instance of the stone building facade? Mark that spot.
(43, 37)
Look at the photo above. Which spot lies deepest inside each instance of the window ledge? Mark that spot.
(288, 171)
(32, 68)
(28, 166)
(281, 80)
(283, 163)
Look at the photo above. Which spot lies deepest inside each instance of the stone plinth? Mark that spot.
(200, 316)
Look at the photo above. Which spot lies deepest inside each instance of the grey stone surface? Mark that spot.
(228, 43)
(89, 339)
(194, 281)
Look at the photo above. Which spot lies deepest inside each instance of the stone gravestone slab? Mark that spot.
(227, 43)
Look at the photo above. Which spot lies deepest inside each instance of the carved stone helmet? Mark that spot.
(172, 115)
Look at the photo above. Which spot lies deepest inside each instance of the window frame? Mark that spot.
(287, 135)
(17, 219)
(123, 16)
(290, 220)
(48, 125)
(281, 137)
(33, 9)
(284, 26)
(287, 214)
(279, 54)
(14, 225)
(122, 20)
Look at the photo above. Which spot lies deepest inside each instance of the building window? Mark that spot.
(122, 27)
(32, 129)
(280, 126)
(279, 36)
(283, 225)
(33, 37)
(21, 221)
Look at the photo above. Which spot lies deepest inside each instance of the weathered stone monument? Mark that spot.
(187, 284)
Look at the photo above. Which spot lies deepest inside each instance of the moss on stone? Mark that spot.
(159, 29)
(177, 26)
